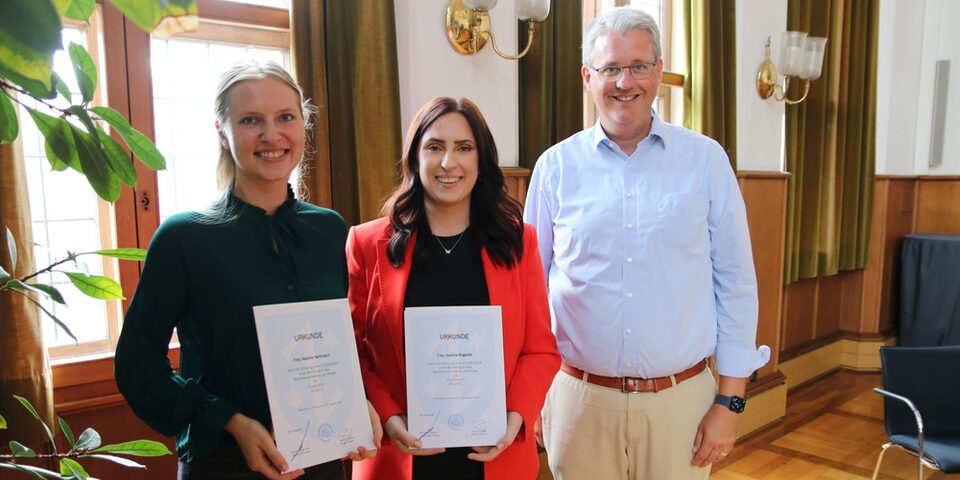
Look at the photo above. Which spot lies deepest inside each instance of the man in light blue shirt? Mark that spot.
(644, 241)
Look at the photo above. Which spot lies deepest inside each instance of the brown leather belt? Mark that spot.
(634, 384)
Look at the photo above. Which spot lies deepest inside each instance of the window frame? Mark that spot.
(127, 83)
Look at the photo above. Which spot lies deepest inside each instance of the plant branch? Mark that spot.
(9, 86)
(70, 454)
(70, 257)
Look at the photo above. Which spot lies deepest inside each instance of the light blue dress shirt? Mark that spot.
(647, 256)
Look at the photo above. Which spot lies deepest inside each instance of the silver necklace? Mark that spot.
(444, 247)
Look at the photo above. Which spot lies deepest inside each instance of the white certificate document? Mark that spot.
(313, 380)
(456, 395)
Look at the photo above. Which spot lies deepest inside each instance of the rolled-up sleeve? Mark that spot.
(734, 278)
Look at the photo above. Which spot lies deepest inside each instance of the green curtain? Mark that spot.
(346, 53)
(551, 92)
(830, 142)
(24, 364)
(710, 90)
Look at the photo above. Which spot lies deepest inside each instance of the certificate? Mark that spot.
(456, 396)
(313, 381)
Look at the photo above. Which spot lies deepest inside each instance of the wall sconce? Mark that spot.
(800, 56)
(468, 24)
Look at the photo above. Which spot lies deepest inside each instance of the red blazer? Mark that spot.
(529, 347)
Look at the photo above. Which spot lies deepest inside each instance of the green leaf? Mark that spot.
(137, 254)
(89, 440)
(61, 148)
(95, 166)
(85, 70)
(62, 6)
(67, 432)
(80, 9)
(3, 275)
(69, 466)
(3, 423)
(27, 405)
(119, 161)
(9, 125)
(29, 34)
(139, 144)
(96, 286)
(12, 248)
(126, 462)
(60, 86)
(57, 321)
(35, 472)
(137, 448)
(149, 15)
(49, 291)
(20, 450)
(38, 288)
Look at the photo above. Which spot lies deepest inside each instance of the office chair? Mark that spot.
(922, 380)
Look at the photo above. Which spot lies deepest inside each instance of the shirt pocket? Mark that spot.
(682, 220)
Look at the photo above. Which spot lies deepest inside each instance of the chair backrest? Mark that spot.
(930, 378)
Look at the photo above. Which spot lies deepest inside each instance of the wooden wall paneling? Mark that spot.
(938, 205)
(852, 288)
(873, 273)
(901, 209)
(765, 196)
(516, 179)
(829, 299)
(799, 315)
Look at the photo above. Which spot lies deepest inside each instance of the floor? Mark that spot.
(832, 431)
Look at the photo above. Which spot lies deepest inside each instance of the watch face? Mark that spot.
(737, 404)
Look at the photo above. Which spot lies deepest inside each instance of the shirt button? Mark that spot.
(629, 226)
(629, 364)
(629, 259)
(290, 287)
(629, 295)
(630, 194)
(629, 330)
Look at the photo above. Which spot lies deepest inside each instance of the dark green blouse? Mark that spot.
(204, 279)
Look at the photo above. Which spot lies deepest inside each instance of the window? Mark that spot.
(166, 89)
(669, 102)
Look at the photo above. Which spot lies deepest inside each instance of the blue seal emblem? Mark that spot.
(455, 422)
(325, 432)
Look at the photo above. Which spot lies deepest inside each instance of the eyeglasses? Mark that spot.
(639, 71)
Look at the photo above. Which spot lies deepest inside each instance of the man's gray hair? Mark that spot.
(620, 20)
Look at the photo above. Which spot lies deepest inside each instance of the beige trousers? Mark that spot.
(597, 433)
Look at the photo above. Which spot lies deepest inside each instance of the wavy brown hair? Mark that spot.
(497, 219)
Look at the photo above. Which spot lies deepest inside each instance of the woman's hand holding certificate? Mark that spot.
(312, 374)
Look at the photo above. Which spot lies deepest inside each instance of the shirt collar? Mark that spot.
(658, 129)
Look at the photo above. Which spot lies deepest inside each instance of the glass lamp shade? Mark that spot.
(813, 58)
(791, 52)
(480, 4)
(536, 10)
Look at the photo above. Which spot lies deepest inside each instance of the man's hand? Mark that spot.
(485, 454)
(715, 436)
(259, 448)
(396, 429)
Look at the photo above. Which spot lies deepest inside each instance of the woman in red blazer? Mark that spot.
(450, 236)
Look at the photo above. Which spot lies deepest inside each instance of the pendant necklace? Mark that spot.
(444, 247)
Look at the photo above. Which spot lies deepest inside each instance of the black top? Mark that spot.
(204, 279)
(448, 280)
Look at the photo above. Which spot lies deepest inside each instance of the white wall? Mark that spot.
(914, 34)
(430, 67)
(759, 122)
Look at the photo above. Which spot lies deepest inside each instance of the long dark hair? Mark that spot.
(496, 218)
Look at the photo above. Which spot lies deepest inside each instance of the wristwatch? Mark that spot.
(734, 403)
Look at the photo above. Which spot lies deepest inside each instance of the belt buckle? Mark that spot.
(636, 384)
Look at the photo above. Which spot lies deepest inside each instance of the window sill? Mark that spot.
(86, 383)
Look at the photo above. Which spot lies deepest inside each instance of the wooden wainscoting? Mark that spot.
(516, 179)
(938, 205)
